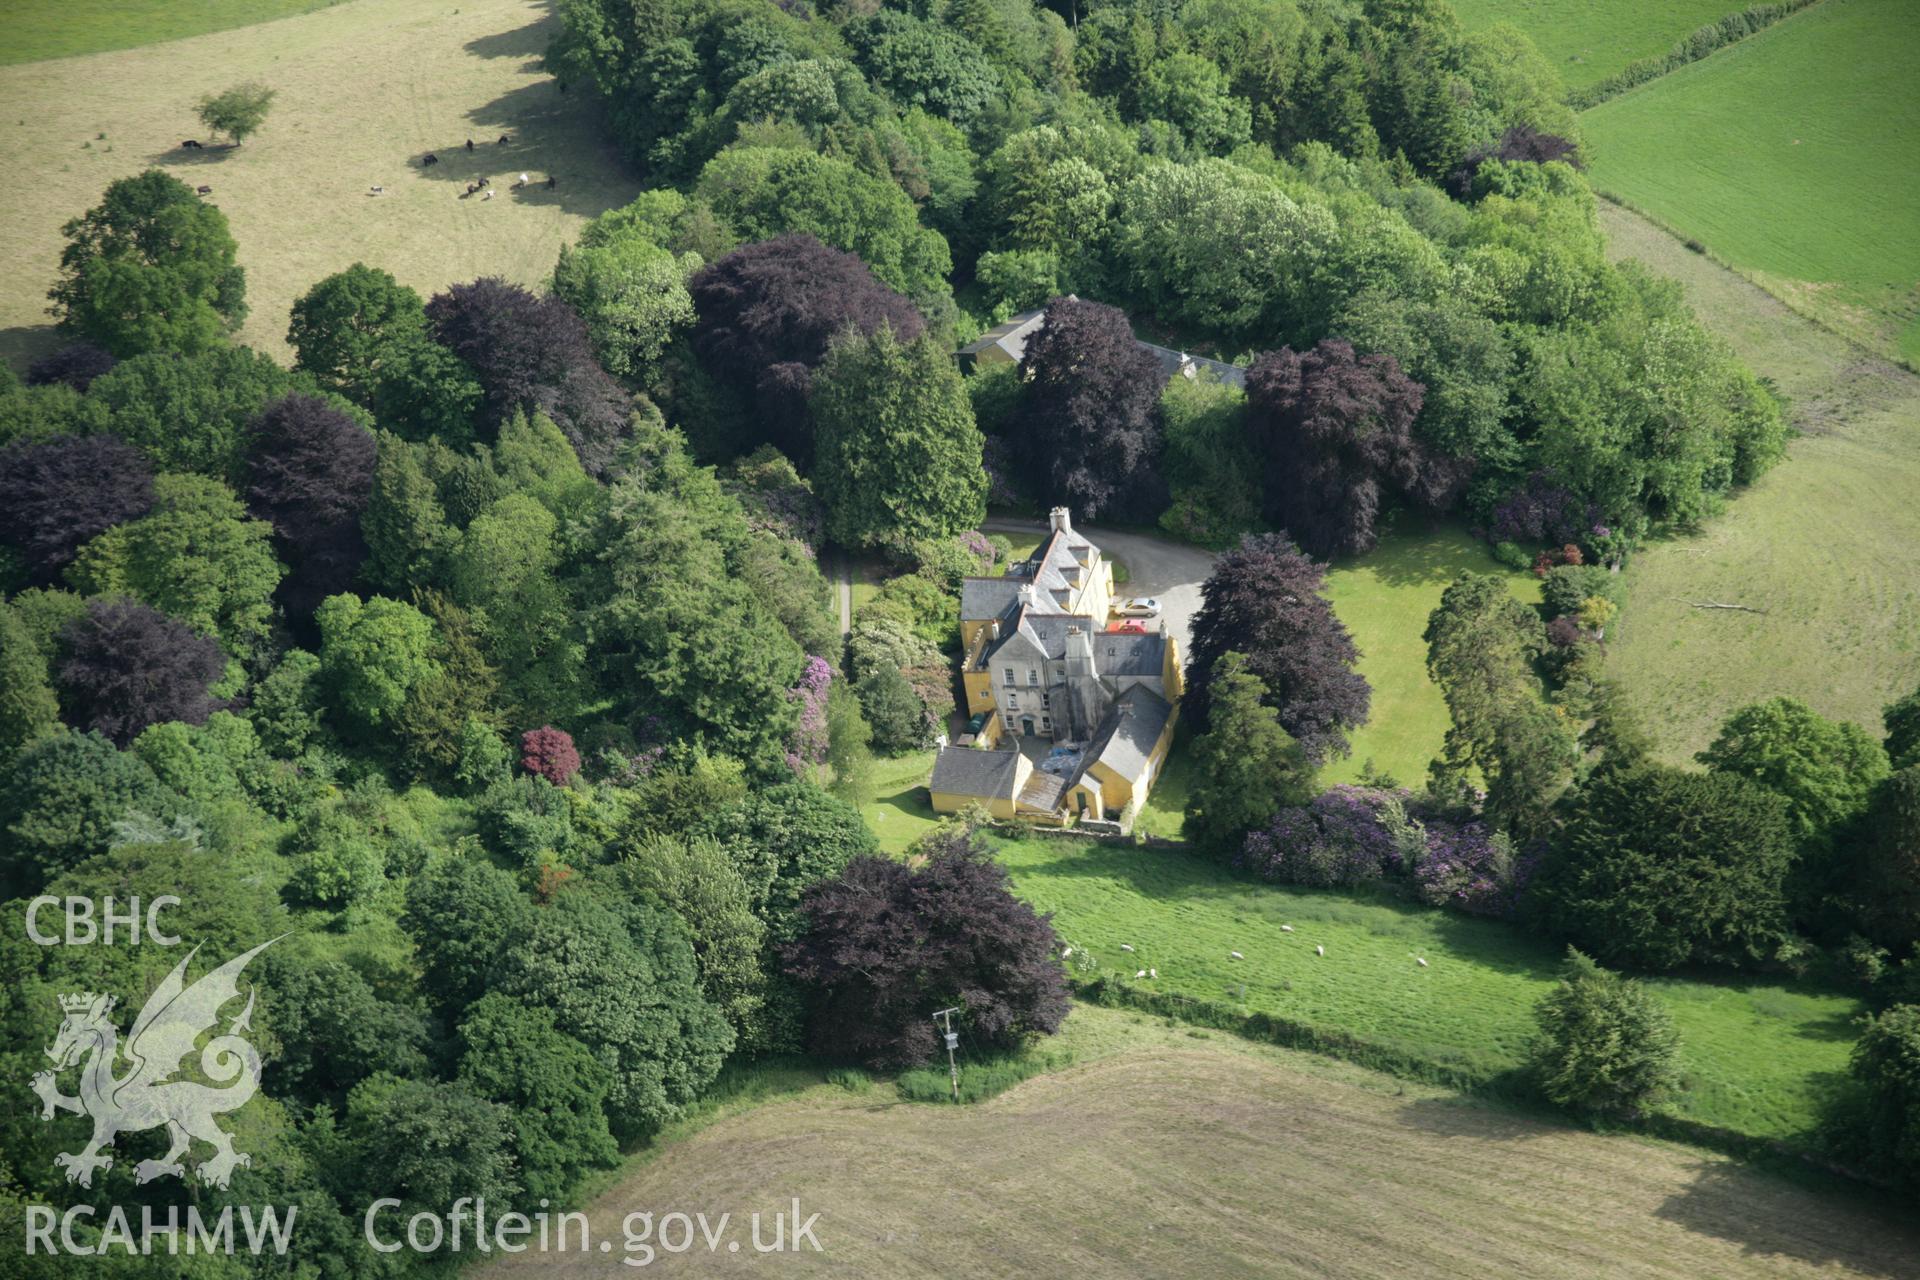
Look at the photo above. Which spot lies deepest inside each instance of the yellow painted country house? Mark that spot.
(1078, 715)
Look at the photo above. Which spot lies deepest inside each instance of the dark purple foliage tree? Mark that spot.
(76, 365)
(549, 753)
(1088, 420)
(1336, 430)
(766, 313)
(887, 944)
(58, 493)
(532, 354)
(1521, 142)
(309, 471)
(124, 666)
(1545, 511)
(1265, 600)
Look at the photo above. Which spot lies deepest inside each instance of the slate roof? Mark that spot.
(964, 771)
(1011, 337)
(1049, 570)
(1115, 653)
(1126, 738)
(982, 598)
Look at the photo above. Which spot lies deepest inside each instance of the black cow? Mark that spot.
(191, 144)
(429, 159)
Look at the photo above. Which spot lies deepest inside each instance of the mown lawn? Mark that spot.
(1589, 40)
(37, 29)
(1794, 156)
(899, 812)
(1384, 598)
(1759, 1056)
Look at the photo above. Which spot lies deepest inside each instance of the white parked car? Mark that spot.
(1138, 607)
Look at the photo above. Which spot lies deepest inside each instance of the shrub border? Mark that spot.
(1705, 40)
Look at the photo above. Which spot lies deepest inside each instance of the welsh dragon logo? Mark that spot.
(172, 1021)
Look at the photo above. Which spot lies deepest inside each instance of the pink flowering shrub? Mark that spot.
(807, 748)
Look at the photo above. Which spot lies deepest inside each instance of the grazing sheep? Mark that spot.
(1153, 973)
(1066, 953)
(1420, 961)
(1126, 946)
(1141, 974)
(1319, 951)
(1236, 955)
(1286, 928)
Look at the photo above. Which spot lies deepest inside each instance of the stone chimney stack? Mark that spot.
(1060, 520)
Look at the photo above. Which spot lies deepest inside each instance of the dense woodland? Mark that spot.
(486, 650)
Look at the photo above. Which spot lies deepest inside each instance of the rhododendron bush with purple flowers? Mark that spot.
(1350, 836)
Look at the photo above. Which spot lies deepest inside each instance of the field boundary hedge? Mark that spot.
(1511, 1086)
(1706, 40)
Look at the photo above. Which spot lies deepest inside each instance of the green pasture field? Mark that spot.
(31, 30)
(1589, 40)
(365, 90)
(1794, 156)
(1820, 550)
(1760, 1056)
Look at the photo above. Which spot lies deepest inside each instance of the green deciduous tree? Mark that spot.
(428, 1144)
(150, 268)
(373, 653)
(197, 556)
(695, 878)
(1824, 769)
(633, 296)
(622, 979)
(552, 1086)
(237, 112)
(60, 800)
(348, 329)
(28, 708)
(1606, 1045)
(897, 454)
(458, 912)
(762, 192)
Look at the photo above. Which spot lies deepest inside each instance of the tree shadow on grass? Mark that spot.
(22, 344)
(529, 41)
(1827, 1225)
(195, 157)
(548, 134)
(1420, 552)
(1478, 1119)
